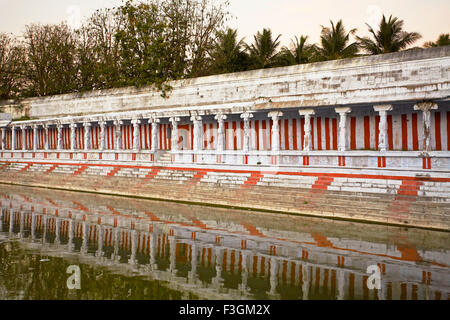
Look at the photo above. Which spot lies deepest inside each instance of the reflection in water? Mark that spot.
(137, 249)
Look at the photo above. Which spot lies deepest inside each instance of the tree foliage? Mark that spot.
(390, 37)
(150, 42)
(334, 43)
(443, 40)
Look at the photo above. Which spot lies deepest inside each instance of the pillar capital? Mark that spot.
(174, 120)
(383, 107)
(154, 119)
(196, 118)
(246, 115)
(426, 106)
(341, 110)
(220, 117)
(275, 115)
(136, 121)
(87, 123)
(306, 112)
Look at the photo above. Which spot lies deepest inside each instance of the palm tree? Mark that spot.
(263, 52)
(443, 40)
(227, 54)
(389, 38)
(334, 43)
(299, 53)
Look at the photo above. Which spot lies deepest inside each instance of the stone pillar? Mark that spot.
(382, 135)
(307, 139)
(132, 259)
(247, 133)
(174, 121)
(71, 236)
(58, 231)
(220, 147)
(99, 253)
(118, 133)
(426, 108)
(306, 282)
(1, 219)
(192, 275)
(198, 133)
(341, 284)
(102, 125)
(275, 115)
(73, 141)
(273, 276)
(13, 139)
(173, 257)
(11, 221)
(24, 140)
(35, 138)
(136, 134)
(3, 138)
(60, 140)
(343, 137)
(45, 126)
(155, 133)
(87, 135)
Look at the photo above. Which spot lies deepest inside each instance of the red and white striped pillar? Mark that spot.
(343, 128)
(307, 140)
(382, 135)
(426, 108)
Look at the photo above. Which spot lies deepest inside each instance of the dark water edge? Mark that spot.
(129, 249)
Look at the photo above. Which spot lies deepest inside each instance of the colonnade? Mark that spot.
(154, 120)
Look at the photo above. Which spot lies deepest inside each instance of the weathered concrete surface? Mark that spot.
(414, 75)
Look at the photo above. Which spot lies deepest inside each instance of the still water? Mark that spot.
(140, 249)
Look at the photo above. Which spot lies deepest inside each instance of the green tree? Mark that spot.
(263, 52)
(389, 38)
(11, 67)
(98, 50)
(443, 40)
(228, 54)
(300, 52)
(334, 43)
(51, 66)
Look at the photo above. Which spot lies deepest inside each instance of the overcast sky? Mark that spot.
(286, 17)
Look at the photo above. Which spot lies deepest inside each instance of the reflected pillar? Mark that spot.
(243, 285)
(1, 218)
(21, 224)
(274, 267)
(153, 265)
(341, 284)
(132, 259)
(192, 275)
(173, 255)
(85, 237)
(217, 281)
(71, 236)
(101, 232)
(306, 282)
(58, 231)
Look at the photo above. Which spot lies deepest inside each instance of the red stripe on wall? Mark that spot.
(448, 130)
(367, 133)
(319, 133)
(312, 133)
(235, 135)
(437, 130)
(205, 138)
(327, 134)
(270, 133)
(390, 133)
(334, 125)
(211, 139)
(279, 128)
(352, 133)
(286, 135)
(302, 132)
(294, 134)
(404, 132)
(257, 134)
(264, 129)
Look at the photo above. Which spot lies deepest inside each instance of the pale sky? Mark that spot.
(286, 17)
